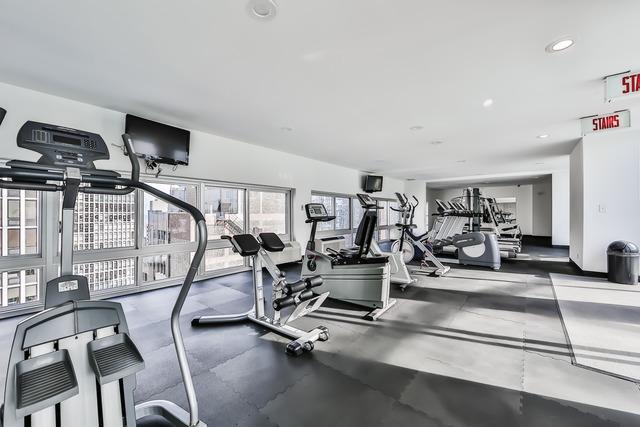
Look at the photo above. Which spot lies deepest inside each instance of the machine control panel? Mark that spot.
(367, 202)
(317, 212)
(62, 146)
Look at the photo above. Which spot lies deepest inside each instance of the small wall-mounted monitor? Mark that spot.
(372, 183)
(159, 142)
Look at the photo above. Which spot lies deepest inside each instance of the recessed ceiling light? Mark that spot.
(411, 179)
(543, 136)
(416, 128)
(262, 9)
(487, 103)
(286, 129)
(436, 142)
(461, 161)
(559, 45)
(539, 163)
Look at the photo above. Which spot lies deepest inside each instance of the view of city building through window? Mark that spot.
(116, 252)
(19, 235)
(104, 221)
(267, 212)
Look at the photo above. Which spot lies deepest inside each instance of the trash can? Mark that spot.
(622, 262)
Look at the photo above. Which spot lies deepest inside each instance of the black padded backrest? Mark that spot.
(271, 242)
(245, 244)
(365, 231)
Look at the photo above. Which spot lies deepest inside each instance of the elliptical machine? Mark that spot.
(298, 294)
(74, 364)
(408, 241)
(350, 275)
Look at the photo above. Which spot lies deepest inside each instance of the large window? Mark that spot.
(20, 244)
(127, 241)
(108, 275)
(268, 212)
(224, 211)
(165, 223)
(165, 266)
(104, 221)
(20, 286)
(19, 222)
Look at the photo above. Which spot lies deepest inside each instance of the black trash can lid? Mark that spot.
(622, 247)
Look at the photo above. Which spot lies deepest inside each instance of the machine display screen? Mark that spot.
(316, 210)
(68, 286)
(66, 139)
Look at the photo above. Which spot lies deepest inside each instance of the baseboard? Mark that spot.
(587, 273)
(560, 246)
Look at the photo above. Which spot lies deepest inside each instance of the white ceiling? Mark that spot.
(350, 77)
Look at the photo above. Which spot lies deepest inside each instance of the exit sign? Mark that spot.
(623, 84)
(605, 122)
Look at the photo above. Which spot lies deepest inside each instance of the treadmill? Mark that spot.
(74, 364)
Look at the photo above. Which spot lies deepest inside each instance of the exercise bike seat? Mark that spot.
(244, 244)
(271, 242)
(350, 252)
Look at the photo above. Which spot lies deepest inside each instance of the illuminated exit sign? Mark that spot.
(623, 84)
(605, 122)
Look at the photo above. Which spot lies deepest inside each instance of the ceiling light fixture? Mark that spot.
(286, 129)
(416, 128)
(461, 161)
(262, 9)
(559, 45)
(539, 163)
(543, 136)
(436, 142)
(487, 103)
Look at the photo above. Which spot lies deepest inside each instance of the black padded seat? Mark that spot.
(271, 242)
(245, 244)
(153, 421)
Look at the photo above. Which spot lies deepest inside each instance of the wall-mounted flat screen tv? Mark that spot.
(372, 183)
(158, 142)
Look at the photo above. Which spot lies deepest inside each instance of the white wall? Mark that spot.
(576, 227)
(605, 195)
(211, 157)
(419, 189)
(541, 209)
(560, 210)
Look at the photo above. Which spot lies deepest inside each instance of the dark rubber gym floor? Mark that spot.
(474, 348)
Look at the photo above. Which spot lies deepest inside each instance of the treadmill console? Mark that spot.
(316, 211)
(62, 146)
(367, 202)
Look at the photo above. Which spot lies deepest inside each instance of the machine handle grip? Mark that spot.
(135, 165)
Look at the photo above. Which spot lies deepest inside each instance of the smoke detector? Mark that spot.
(262, 10)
